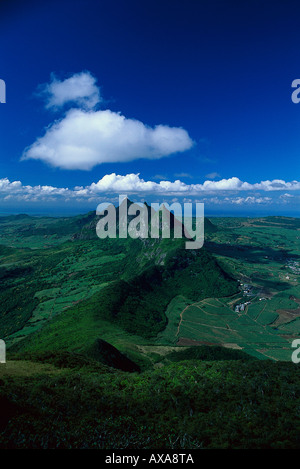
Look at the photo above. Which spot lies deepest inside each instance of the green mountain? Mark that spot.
(134, 281)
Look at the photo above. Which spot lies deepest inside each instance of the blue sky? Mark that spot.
(165, 100)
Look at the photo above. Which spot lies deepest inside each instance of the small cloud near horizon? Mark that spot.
(213, 175)
(183, 175)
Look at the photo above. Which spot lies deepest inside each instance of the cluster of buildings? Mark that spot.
(241, 307)
(247, 289)
(294, 266)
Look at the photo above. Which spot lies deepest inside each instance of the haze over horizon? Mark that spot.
(162, 101)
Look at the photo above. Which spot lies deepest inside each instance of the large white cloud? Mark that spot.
(82, 140)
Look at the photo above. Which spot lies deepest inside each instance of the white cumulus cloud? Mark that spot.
(82, 140)
(134, 183)
(232, 190)
(79, 89)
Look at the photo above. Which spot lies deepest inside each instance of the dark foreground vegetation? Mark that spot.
(189, 404)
